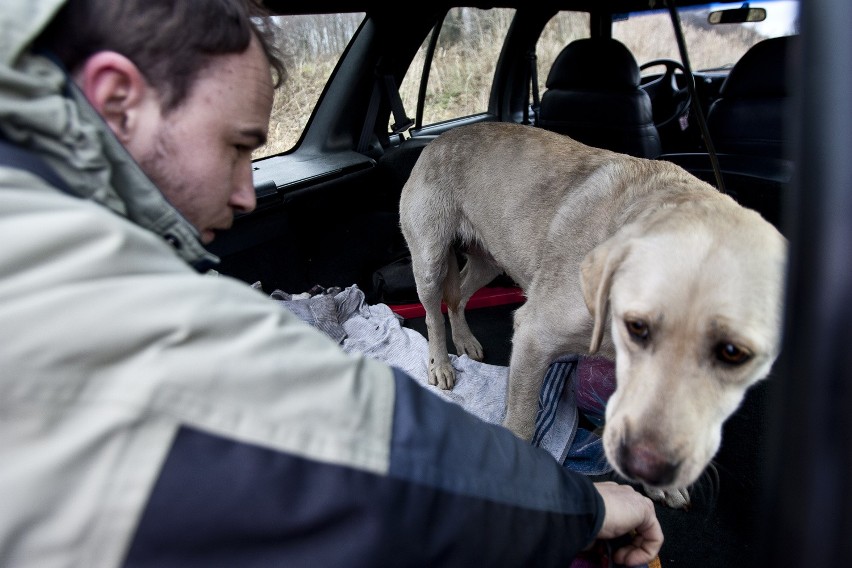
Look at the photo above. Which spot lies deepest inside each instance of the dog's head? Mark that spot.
(694, 297)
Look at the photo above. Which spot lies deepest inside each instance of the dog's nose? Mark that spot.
(643, 463)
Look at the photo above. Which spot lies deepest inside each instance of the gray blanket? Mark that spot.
(377, 332)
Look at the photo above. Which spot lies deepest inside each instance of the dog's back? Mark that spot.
(498, 187)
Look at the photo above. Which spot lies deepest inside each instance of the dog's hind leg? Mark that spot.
(430, 272)
(477, 272)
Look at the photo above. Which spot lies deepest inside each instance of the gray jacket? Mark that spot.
(152, 415)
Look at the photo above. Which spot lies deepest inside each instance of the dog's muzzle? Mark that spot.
(641, 462)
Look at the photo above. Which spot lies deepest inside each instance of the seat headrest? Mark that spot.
(761, 71)
(601, 63)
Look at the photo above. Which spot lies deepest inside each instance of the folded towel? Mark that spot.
(572, 384)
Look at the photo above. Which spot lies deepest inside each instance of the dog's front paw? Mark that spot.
(675, 498)
(442, 375)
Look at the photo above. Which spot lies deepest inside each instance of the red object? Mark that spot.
(482, 298)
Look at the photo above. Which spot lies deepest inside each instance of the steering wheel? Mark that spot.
(668, 100)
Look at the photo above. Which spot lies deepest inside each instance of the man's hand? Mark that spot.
(628, 511)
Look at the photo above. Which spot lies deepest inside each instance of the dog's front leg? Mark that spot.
(529, 361)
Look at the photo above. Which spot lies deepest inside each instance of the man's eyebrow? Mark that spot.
(256, 133)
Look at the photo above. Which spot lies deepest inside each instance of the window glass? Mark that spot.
(311, 45)
(562, 29)
(462, 68)
(710, 47)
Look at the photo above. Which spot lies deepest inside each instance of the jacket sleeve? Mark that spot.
(457, 492)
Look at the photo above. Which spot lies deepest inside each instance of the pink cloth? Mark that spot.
(595, 384)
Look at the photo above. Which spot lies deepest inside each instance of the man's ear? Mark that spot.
(596, 272)
(116, 88)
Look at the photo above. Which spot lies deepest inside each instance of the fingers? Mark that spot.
(642, 549)
(629, 512)
(647, 538)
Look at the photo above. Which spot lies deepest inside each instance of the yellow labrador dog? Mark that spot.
(631, 258)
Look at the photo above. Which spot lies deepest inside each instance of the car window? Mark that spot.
(710, 47)
(311, 45)
(561, 29)
(462, 67)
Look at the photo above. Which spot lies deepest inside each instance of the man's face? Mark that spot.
(199, 154)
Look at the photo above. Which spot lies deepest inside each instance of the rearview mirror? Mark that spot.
(737, 15)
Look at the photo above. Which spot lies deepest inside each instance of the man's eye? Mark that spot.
(638, 330)
(731, 354)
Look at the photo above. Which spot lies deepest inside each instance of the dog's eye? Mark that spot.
(637, 329)
(731, 354)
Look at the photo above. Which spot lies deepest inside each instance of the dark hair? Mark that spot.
(169, 41)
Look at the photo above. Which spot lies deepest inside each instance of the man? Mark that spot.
(150, 415)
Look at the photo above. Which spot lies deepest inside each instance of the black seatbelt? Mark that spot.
(696, 106)
(401, 121)
(386, 83)
(14, 156)
(532, 86)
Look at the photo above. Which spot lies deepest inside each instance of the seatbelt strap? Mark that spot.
(14, 156)
(532, 87)
(384, 82)
(696, 106)
(401, 121)
(534, 83)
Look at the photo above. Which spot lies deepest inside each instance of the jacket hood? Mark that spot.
(41, 109)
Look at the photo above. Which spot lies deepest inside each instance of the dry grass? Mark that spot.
(294, 102)
(461, 73)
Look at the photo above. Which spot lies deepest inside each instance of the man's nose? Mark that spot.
(243, 198)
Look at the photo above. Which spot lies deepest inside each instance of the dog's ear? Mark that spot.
(596, 272)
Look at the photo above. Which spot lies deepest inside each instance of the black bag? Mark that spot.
(394, 283)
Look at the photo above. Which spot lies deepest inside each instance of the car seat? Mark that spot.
(748, 116)
(593, 95)
(747, 126)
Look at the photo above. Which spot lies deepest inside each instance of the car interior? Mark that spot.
(327, 211)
